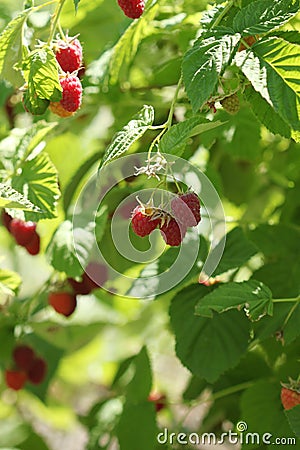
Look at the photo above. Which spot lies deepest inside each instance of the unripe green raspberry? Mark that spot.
(231, 104)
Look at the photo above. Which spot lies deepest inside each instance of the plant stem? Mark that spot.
(171, 112)
(55, 19)
(286, 300)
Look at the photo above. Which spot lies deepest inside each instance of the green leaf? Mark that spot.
(207, 347)
(126, 47)
(204, 62)
(252, 296)
(266, 114)
(174, 141)
(293, 417)
(37, 179)
(145, 430)
(139, 387)
(9, 282)
(11, 49)
(40, 70)
(238, 250)
(129, 134)
(285, 321)
(70, 247)
(256, 404)
(273, 66)
(264, 15)
(10, 198)
(32, 138)
(61, 252)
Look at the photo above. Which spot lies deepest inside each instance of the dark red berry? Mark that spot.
(159, 400)
(143, 224)
(68, 54)
(173, 232)
(94, 276)
(63, 302)
(23, 357)
(33, 247)
(132, 8)
(6, 219)
(186, 209)
(15, 379)
(37, 371)
(23, 232)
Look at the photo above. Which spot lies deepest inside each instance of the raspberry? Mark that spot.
(231, 104)
(173, 232)
(68, 54)
(99, 275)
(186, 209)
(59, 110)
(37, 371)
(33, 247)
(290, 394)
(6, 219)
(159, 400)
(23, 232)
(63, 302)
(23, 357)
(143, 224)
(71, 96)
(132, 8)
(15, 379)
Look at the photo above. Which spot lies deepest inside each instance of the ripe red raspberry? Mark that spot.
(37, 371)
(186, 209)
(142, 223)
(23, 357)
(68, 54)
(15, 379)
(231, 104)
(159, 400)
(173, 232)
(63, 302)
(23, 232)
(6, 219)
(33, 247)
(289, 397)
(132, 8)
(71, 96)
(94, 276)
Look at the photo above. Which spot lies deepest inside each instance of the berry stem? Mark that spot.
(287, 300)
(171, 112)
(55, 19)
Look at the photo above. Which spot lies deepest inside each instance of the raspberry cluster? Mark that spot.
(132, 8)
(68, 53)
(25, 233)
(65, 301)
(26, 366)
(185, 213)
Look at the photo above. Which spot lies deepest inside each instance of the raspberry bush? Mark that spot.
(123, 91)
